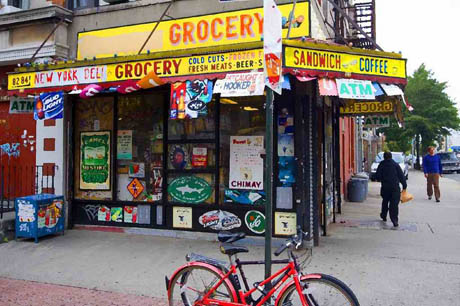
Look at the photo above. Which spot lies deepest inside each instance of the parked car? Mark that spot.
(450, 162)
(398, 157)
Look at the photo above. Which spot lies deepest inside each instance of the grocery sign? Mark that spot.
(359, 108)
(163, 68)
(222, 29)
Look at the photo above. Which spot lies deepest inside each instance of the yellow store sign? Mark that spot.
(169, 67)
(344, 62)
(187, 33)
(374, 107)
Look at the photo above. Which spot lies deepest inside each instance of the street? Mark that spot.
(416, 264)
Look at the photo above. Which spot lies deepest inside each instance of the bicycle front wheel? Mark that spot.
(323, 290)
(192, 283)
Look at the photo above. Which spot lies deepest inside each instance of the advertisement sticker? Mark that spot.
(125, 144)
(219, 220)
(130, 214)
(103, 213)
(95, 160)
(285, 223)
(255, 221)
(189, 189)
(241, 85)
(49, 105)
(182, 217)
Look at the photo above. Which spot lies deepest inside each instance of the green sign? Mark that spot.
(255, 221)
(20, 105)
(189, 189)
(95, 161)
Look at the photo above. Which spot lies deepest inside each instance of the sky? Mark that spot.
(425, 32)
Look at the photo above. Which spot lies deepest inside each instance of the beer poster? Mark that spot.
(95, 160)
(246, 163)
(49, 105)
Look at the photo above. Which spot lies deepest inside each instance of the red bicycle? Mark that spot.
(207, 281)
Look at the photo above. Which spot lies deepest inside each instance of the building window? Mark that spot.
(80, 4)
(22, 4)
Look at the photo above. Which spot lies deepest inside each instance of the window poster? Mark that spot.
(130, 214)
(199, 157)
(285, 223)
(125, 144)
(182, 217)
(95, 160)
(246, 164)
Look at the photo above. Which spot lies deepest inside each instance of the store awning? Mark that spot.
(302, 59)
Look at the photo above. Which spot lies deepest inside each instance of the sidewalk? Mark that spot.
(417, 264)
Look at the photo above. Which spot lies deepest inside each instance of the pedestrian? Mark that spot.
(389, 173)
(432, 168)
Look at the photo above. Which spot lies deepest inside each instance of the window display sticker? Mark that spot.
(251, 197)
(143, 214)
(255, 221)
(137, 170)
(95, 160)
(26, 211)
(189, 189)
(241, 85)
(285, 223)
(219, 220)
(130, 214)
(41, 217)
(116, 214)
(284, 197)
(53, 213)
(182, 217)
(177, 101)
(199, 93)
(285, 145)
(286, 173)
(178, 157)
(103, 213)
(285, 122)
(246, 164)
(125, 144)
(199, 157)
(135, 188)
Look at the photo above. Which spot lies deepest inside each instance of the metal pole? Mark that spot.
(155, 27)
(268, 180)
(291, 15)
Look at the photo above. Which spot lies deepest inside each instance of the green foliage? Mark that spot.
(433, 115)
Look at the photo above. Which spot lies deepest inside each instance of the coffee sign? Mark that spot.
(189, 189)
(255, 221)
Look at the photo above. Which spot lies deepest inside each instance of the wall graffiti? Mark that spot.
(91, 211)
(10, 149)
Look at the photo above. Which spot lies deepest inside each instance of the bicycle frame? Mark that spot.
(285, 273)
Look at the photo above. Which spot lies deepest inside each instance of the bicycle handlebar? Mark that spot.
(295, 240)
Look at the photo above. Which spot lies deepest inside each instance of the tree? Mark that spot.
(433, 115)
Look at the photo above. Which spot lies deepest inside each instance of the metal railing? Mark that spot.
(22, 180)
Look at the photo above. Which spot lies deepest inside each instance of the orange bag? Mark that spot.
(406, 196)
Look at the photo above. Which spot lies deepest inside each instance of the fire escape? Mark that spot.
(354, 22)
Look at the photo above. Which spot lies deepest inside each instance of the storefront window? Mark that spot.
(202, 127)
(242, 130)
(140, 147)
(93, 148)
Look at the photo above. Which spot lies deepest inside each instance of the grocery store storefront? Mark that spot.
(187, 151)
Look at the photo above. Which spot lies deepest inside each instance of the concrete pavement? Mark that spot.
(417, 264)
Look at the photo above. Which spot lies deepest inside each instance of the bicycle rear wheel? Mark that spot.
(323, 291)
(192, 283)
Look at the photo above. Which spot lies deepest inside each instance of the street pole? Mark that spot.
(268, 181)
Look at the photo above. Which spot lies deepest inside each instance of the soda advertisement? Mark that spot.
(95, 160)
(49, 106)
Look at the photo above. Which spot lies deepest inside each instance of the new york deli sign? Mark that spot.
(169, 67)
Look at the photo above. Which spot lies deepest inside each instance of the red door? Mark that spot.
(17, 148)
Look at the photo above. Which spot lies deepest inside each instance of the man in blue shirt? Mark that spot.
(432, 168)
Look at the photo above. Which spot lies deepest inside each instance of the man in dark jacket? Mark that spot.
(390, 175)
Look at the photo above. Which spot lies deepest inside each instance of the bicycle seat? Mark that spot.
(225, 236)
(230, 249)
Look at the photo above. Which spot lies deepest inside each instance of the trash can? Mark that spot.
(39, 215)
(357, 189)
(364, 176)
